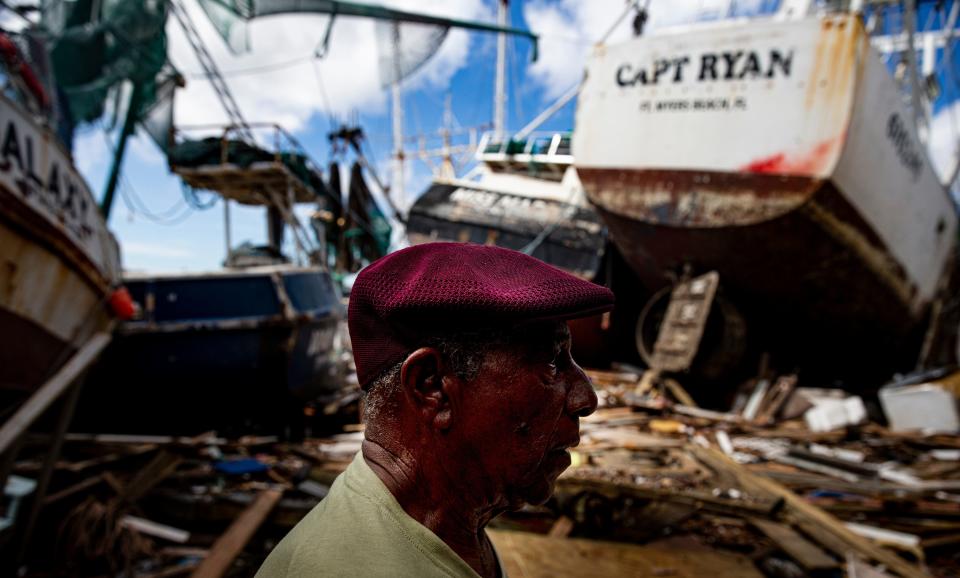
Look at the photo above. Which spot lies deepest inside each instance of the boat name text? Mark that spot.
(57, 188)
(903, 144)
(711, 66)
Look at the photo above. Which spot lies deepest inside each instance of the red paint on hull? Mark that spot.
(809, 164)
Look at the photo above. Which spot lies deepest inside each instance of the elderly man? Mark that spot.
(472, 401)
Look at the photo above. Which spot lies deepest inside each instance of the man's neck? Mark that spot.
(440, 502)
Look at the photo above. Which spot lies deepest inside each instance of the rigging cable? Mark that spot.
(325, 99)
(631, 5)
(190, 195)
(173, 215)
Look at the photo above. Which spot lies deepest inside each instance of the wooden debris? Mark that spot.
(807, 554)
(775, 399)
(51, 390)
(227, 546)
(152, 528)
(677, 391)
(820, 525)
(561, 528)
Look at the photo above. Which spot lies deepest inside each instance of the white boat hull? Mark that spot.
(781, 155)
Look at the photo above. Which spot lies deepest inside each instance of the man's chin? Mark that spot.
(536, 495)
(539, 492)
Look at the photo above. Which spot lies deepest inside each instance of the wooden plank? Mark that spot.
(707, 414)
(776, 399)
(807, 554)
(159, 468)
(527, 555)
(67, 406)
(155, 529)
(816, 523)
(51, 390)
(677, 391)
(71, 490)
(694, 499)
(232, 542)
(561, 528)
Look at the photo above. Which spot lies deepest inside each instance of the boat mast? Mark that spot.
(129, 124)
(396, 188)
(446, 164)
(499, 87)
(910, 25)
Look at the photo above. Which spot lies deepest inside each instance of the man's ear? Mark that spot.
(421, 377)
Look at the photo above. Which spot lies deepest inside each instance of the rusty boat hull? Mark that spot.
(58, 261)
(805, 294)
(797, 176)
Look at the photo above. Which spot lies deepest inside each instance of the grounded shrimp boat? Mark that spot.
(59, 264)
(525, 197)
(779, 152)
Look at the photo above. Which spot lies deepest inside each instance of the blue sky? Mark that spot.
(277, 81)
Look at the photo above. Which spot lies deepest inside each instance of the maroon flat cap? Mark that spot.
(426, 290)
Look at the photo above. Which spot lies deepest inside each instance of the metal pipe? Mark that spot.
(549, 111)
(226, 227)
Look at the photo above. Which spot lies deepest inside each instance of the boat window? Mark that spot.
(828, 6)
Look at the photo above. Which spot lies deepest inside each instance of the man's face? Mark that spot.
(521, 414)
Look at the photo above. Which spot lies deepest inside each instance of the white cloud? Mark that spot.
(569, 28)
(90, 152)
(290, 95)
(944, 139)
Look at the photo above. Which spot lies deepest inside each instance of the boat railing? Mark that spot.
(267, 136)
(256, 164)
(547, 154)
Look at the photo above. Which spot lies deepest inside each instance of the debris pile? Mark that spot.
(160, 506)
(799, 479)
(792, 481)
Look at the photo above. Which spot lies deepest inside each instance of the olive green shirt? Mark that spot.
(359, 529)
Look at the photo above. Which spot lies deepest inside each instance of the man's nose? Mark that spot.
(582, 400)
